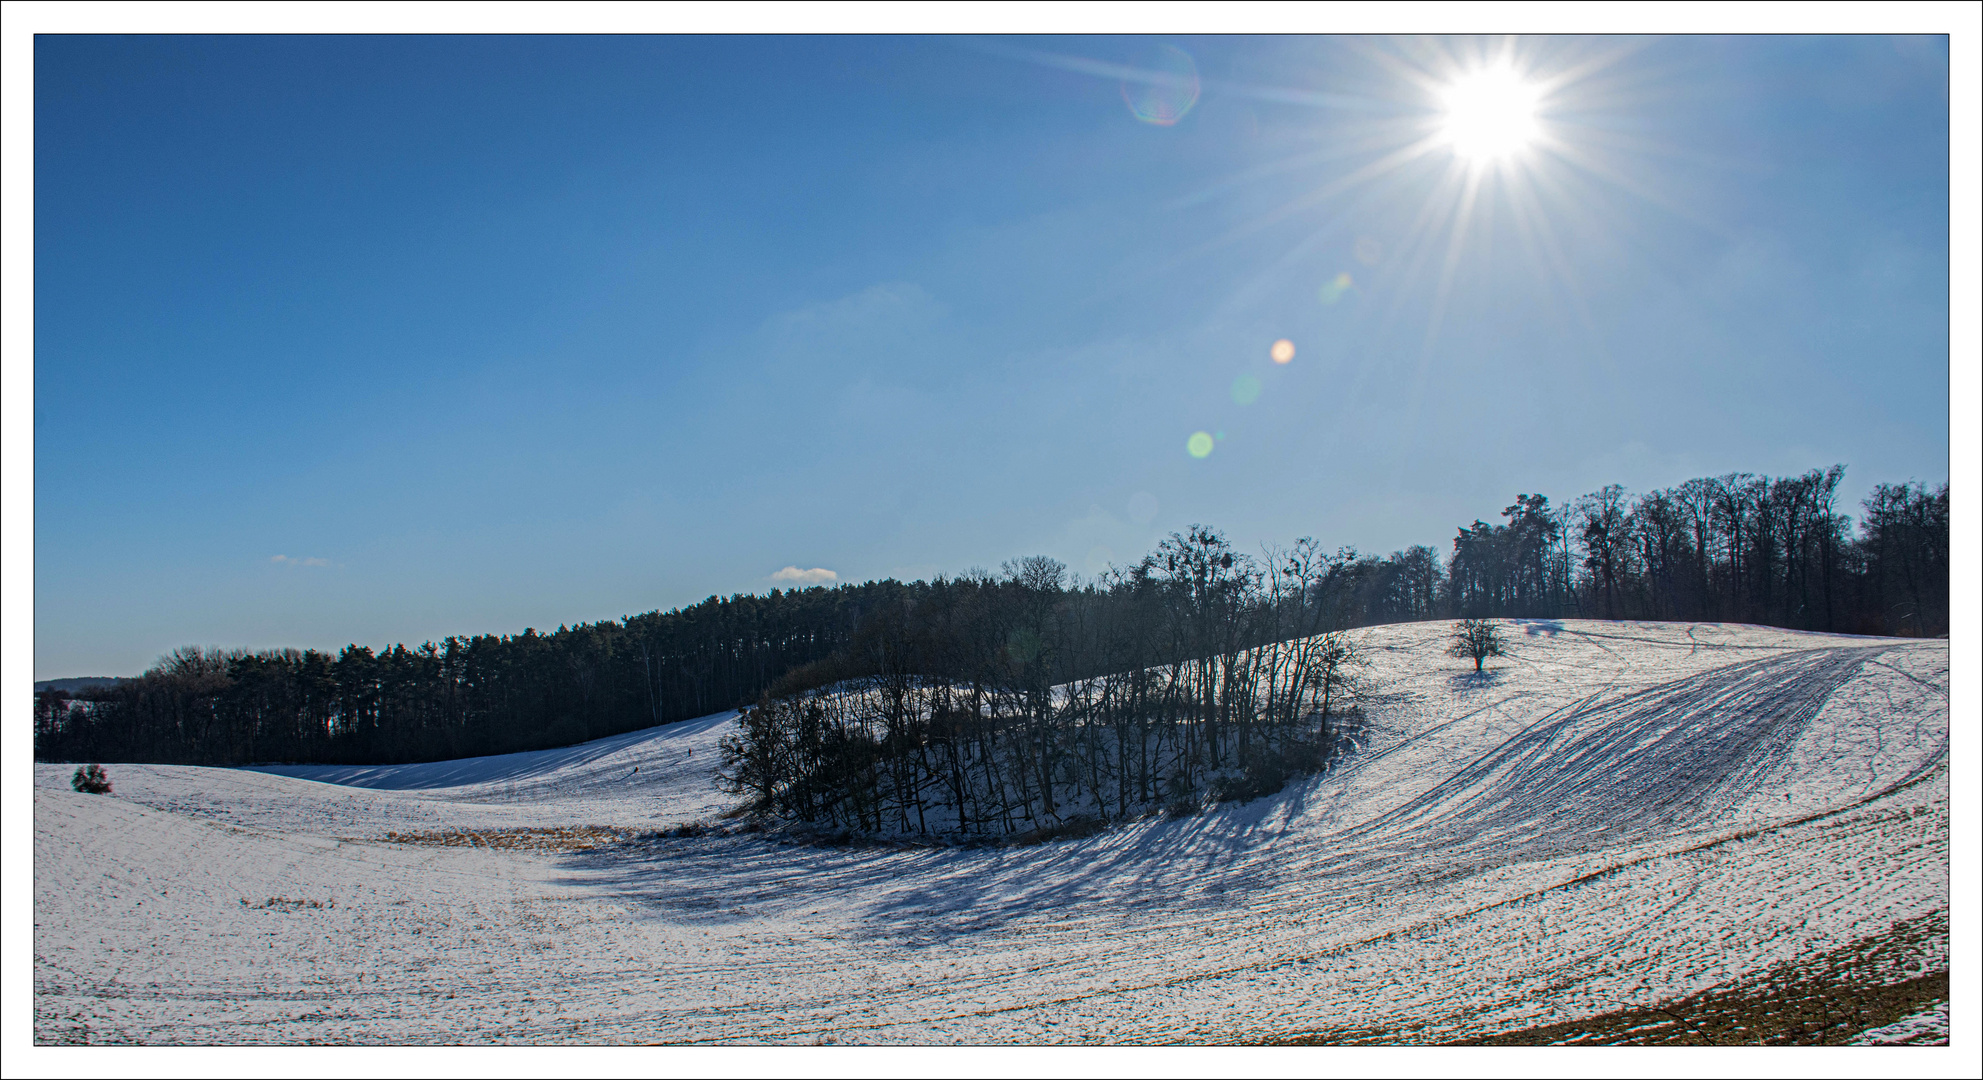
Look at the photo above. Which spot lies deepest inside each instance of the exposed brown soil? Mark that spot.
(1810, 1014)
(1826, 1000)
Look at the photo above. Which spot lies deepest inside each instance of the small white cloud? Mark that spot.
(815, 576)
(307, 560)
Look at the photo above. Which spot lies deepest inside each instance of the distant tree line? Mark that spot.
(1736, 548)
(465, 696)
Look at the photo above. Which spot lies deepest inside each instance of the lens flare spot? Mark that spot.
(1164, 88)
(1282, 352)
(1246, 390)
(1335, 287)
(1199, 444)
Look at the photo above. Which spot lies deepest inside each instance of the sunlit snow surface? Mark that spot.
(1617, 814)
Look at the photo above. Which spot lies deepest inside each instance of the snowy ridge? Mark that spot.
(1616, 815)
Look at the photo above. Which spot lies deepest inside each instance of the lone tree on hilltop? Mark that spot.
(1476, 639)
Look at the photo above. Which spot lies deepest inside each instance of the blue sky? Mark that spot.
(484, 333)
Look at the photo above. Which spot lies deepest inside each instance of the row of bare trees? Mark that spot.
(1732, 548)
(1011, 704)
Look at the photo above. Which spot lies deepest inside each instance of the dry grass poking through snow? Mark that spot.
(566, 838)
(284, 903)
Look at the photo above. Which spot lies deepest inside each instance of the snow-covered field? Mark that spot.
(1616, 815)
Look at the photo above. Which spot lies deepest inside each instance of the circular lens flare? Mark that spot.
(1282, 352)
(1199, 445)
(1490, 113)
(1165, 89)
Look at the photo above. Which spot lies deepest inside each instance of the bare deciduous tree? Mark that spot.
(1476, 640)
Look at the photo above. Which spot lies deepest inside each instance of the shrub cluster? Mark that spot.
(91, 780)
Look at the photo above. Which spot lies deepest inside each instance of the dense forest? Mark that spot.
(1736, 548)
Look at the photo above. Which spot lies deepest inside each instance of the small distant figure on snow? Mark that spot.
(90, 780)
(1476, 640)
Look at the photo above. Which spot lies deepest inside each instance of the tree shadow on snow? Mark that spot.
(1475, 681)
(934, 895)
(938, 895)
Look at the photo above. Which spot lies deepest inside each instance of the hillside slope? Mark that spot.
(1615, 815)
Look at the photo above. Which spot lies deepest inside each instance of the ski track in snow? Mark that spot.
(1619, 814)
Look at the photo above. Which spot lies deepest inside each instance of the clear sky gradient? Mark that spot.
(355, 339)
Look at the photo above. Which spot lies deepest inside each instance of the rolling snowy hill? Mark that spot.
(1615, 816)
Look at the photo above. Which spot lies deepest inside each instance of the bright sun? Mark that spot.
(1490, 114)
